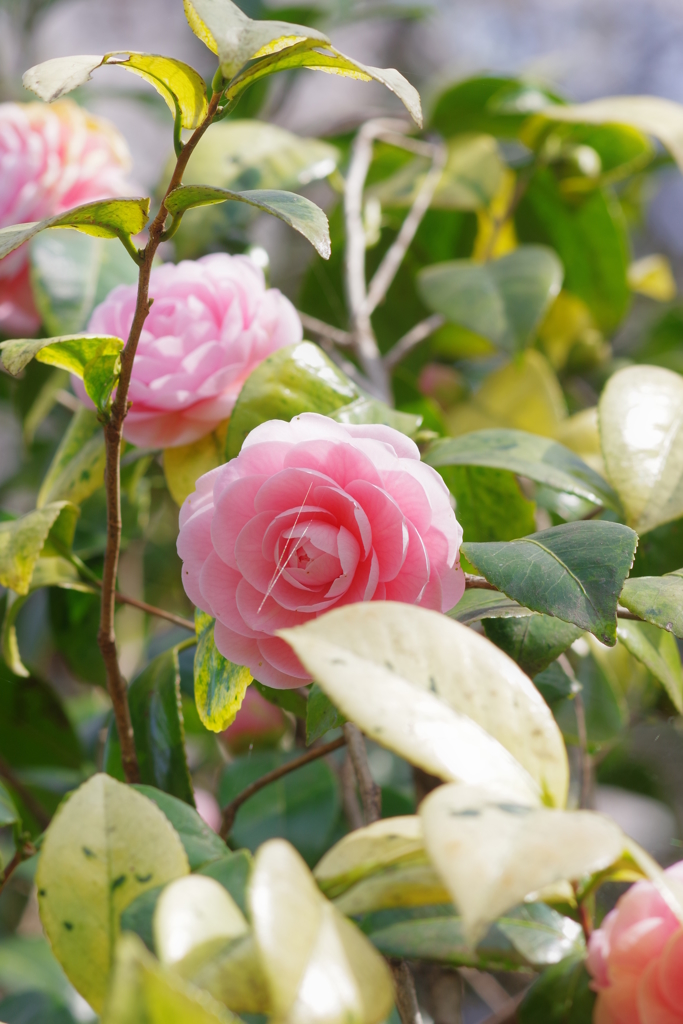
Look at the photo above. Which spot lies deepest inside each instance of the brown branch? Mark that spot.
(34, 806)
(406, 997)
(480, 583)
(414, 336)
(151, 609)
(347, 778)
(113, 430)
(370, 793)
(323, 330)
(231, 809)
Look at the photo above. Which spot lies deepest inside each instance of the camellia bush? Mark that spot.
(430, 534)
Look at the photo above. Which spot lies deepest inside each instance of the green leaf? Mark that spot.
(574, 571)
(504, 300)
(554, 684)
(372, 410)
(184, 464)
(657, 599)
(298, 378)
(321, 715)
(474, 717)
(72, 352)
(231, 972)
(470, 179)
(297, 211)
(488, 503)
(77, 468)
(288, 700)
(533, 642)
(301, 807)
(35, 1008)
(106, 845)
(201, 844)
(139, 915)
(369, 850)
(144, 992)
(562, 995)
(219, 686)
(492, 853)
(539, 458)
(590, 238)
(658, 651)
(486, 103)
(23, 540)
(71, 273)
(27, 964)
(641, 430)
(106, 218)
(605, 709)
(476, 604)
(8, 812)
(399, 885)
(232, 870)
(181, 88)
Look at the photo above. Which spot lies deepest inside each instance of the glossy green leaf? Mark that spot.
(307, 947)
(321, 715)
(106, 218)
(503, 300)
(22, 541)
(77, 468)
(144, 992)
(8, 812)
(192, 911)
(232, 871)
(71, 273)
(219, 686)
(658, 651)
(533, 642)
(201, 844)
(297, 211)
(475, 605)
(574, 571)
(657, 599)
(539, 458)
(472, 715)
(641, 430)
(298, 378)
(372, 410)
(605, 709)
(138, 916)
(301, 807)
(289, 700)
(489, 503)
(562, 995)
(94, 358)
(492, 853)
(590, 238)
(106, 845)
(181, 88)
(554, 684)
(470, 179)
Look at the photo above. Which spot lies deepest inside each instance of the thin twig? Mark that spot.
(480, 583)
(586, 789)
(12, 866)
(231, 809)
(414, 336)
(34, 806)
(319, 327)
(406, 997)
(347, 778)
(113, 431)
(370, 793)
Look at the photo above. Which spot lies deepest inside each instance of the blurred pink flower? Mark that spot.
(636, 959)
(312, 515)
(212, 322)
(258, 723)
(207, 808)
(52, 158)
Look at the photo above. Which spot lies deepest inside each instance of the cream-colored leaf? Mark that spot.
(652, 276)
(319, 966)
(399, 885)
(231, 972)
(191, 911)
(491, 853)
(428, 652)
(641, 430)
(59, 76)
(106, 845)
(365, 850)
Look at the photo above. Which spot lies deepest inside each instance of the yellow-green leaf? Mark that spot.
(399, 885)
(77, 468)
(491, 852)
(369, 849)
(658, 651)
(641, 429)
(319, 966)
(106, 845)
(435, 666)
(179, 84)
(106, 218)
(231, 971)
(219, 686)
(192, 911)
(652, 276)
(22, 541)
(184, 464)
(70, 352)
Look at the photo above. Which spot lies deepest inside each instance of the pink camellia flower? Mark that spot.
(636, 959)
(258, 723)
(311, 515)
(212, 322)
(52, 158)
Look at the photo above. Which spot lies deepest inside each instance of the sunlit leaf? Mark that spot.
(298, 378)
(219, 686)
(641, 428)
(652, 276)
(176, 82)
(231, 971)
(657, 599)
(106, 218)
(297, 211)
(503, 300)
(184, 464)
(574, 571)
(22, 541)
(372, 410)
(191, 911)
(70, 352)
(367, 850)
(538, 458)
(77, 468)
(106, 845)
(491, 853)
(436, 693)
(399, 885)
(308, 948)
(658, 651)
